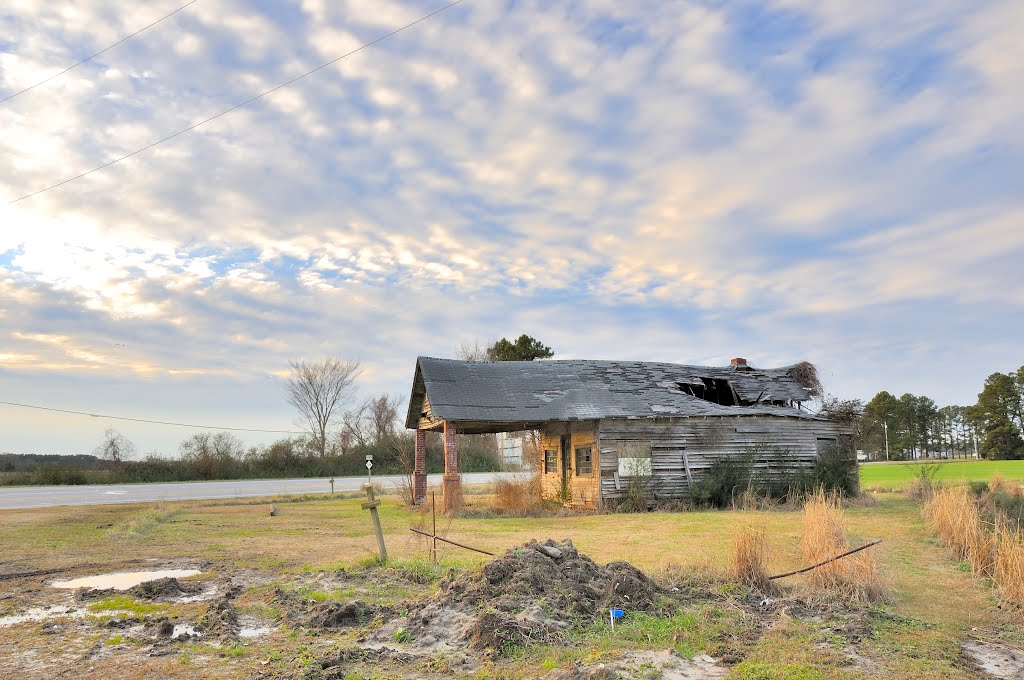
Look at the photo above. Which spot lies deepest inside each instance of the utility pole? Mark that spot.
(885, 426)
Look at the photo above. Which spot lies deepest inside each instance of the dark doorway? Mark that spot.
(566, 459)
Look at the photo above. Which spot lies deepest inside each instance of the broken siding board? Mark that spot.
(427, 421)
(682, 449)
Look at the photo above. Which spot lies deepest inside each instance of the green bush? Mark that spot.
(784, 478)
(978, 488)
(727, 478)
(835, 469)
(1009, 505)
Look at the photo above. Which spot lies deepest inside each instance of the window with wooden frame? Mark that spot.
(635, 459)
(584, 461)
(550, 461)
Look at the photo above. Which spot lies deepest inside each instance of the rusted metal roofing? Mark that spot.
(558, 391)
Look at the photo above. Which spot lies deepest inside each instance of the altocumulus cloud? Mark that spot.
(680, 181)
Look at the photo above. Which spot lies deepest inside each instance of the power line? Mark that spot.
(143, 420)
(105, 49)
(238, 106)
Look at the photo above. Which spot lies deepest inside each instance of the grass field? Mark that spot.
(933, 603)
(890, 476)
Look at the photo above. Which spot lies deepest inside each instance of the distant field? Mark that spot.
(898, 475)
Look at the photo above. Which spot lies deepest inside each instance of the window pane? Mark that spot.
(635, 459)
(550, 461)
(584, 461)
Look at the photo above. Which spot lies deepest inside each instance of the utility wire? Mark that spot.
(238, 106)
(143, 420)
(105, 49)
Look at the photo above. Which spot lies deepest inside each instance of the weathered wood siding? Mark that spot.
(681, 449)
(585, 489)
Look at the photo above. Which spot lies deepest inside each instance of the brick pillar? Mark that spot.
(451, 483)
(419, 471)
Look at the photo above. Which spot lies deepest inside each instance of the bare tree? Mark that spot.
(382, 412)
(318, 390)
(375, 422)
(472, 350)
(115, 448)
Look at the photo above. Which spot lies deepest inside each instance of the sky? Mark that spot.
(838, 182)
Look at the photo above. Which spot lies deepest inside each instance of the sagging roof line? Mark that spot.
(564, 390)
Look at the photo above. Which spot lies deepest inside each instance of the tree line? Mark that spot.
(223, 455)
(339, 432)
(912, 426)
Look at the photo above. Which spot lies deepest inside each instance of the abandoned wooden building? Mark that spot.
(603, 423)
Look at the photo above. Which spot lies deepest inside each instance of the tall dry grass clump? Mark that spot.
(518, 496)
(824, 536)
(954, 516)
(1008, 571)
(750, 558)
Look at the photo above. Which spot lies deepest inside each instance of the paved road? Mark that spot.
(12, 497)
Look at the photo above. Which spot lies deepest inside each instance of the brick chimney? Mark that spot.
(738, 362)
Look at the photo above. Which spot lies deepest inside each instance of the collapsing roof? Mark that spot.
(491, 396)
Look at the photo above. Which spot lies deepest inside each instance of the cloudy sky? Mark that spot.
(681, 181)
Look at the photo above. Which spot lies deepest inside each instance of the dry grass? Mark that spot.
(999, 554)
(751, 501)
(750, 558)
(824, 536)
(998, 484)
(518, 497)
(1009, 562)
(954, 516)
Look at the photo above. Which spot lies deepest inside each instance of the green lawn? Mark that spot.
(898, 475)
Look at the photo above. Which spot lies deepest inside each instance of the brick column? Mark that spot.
(451, 483)
(419, 471)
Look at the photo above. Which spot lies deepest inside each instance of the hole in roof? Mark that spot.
(716, 390)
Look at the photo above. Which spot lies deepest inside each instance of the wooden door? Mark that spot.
(566, 460)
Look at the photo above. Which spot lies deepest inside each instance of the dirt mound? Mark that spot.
(556, 577)
(163, 589)
(221, 617)
(531, 593)
(160, 628)
(338, 615)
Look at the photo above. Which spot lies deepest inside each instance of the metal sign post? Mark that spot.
(369, 468)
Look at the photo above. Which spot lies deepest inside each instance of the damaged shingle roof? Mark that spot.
(556, 391)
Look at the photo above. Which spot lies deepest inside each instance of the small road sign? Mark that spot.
(369, 464)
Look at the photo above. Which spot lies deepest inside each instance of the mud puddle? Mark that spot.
(41, 614)
(123, 580)
(184, 631)
(996, 659)
(250, 627)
